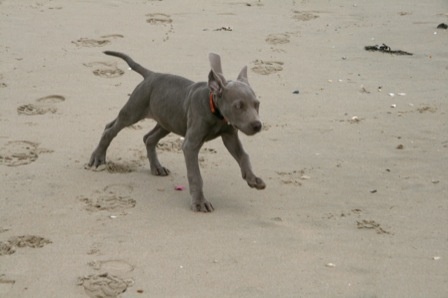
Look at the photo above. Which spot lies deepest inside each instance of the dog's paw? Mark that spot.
(203, 206)
(257, 183)
(160, 171)
(96, 160)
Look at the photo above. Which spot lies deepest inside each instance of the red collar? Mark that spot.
(214, 109)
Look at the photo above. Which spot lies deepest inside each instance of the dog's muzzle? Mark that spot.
(256, 126)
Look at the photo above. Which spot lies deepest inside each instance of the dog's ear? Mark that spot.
(243, 75)
(215, 62)
(216, 82)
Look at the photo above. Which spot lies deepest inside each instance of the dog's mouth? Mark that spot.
(250, 129)
(251, 133)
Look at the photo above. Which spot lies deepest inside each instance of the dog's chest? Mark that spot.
(217, 130)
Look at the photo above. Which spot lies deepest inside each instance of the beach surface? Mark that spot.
(354, 151)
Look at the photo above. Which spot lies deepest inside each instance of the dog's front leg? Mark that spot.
(233, 144)
(191, 147)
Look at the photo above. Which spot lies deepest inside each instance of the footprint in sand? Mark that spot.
(119, 189)
(110, 283)
(174, 145)
(371, 225)
(267, 67)
(29, 241)
(108, 73)
(6, 284)
(105, 69)
(112, 266)
(115, 197)
(104, 285)
(304, 15)
(117, 168)
(33, 109)
(161, 19)
(112, 36)
(44, 105)
(19, 153)
(89, 42)
(110, 202)
(6, 249)
(158, 19)
(2, 85)
(51, 99)
(9, 247)
(101, 42)
(280, 38)
(294, 178)
(424, 109)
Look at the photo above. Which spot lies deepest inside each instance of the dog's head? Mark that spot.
(235, 99)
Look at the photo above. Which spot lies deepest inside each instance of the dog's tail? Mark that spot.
(132, 64)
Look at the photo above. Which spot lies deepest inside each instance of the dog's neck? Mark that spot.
(214, 108)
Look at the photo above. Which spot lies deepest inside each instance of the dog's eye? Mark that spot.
(257, 105)
(239, 105)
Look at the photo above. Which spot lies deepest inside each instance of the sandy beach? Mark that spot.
(354, 151)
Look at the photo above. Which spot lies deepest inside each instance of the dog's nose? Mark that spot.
(256, 126)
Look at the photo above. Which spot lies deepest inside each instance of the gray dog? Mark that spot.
(198, 111)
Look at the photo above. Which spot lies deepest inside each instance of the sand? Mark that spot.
(354, 152)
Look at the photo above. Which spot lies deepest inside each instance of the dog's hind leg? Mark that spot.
(151, 139)
(123, 120)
